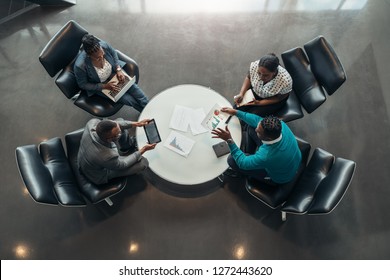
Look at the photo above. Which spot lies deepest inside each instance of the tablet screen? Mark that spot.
(151, 132)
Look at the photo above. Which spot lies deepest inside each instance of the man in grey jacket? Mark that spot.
(99, 158)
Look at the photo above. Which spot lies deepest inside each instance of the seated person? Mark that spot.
(95, 65)
(270, 84)
(99, 158)
(275, 157)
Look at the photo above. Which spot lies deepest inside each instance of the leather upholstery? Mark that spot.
(35, 175)
(292, 110)
(275, 196)
(64, 183)
(59, 56)
(62, 48)
(322, 185)
(317, 169)
(91, 191)
(47, 174)
(325, 64)
(53, 178)
(305, 85)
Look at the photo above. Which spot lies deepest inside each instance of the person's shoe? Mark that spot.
(232, 173)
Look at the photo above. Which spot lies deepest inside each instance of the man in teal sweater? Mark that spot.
(277, 157)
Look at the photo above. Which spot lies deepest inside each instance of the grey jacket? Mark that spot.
(96, 158)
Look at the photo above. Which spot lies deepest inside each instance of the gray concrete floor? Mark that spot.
(210, 43)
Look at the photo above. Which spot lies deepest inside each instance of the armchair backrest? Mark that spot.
(305, 85)
(61, 50)
(47, 175)
(325, 64)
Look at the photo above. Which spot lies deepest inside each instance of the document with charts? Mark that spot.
(179, 143)
(215, 118)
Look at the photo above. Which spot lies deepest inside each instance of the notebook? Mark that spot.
(221, 149)
(248, 97)
(125, 85)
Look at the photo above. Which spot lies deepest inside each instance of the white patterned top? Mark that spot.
(105, 72)
(280, 84)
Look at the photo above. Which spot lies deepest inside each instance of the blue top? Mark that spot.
(281, 160)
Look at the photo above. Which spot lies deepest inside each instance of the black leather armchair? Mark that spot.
(276, 196)
(59, 55)
(53, 178)
(322, 185)
(314, 70)
(317, 189)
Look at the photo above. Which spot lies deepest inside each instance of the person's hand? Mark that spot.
(229, 110)
(224, 134)
(147, 147)
(142, 123)
(120, 76)
(111, 86)
(238, 98)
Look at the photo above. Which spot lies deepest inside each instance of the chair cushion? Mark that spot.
(62, 47)
(303, 194)
(332, 188)
(35, 175)
(97, 105)
(292, 110)
(325, 64)
(66, 81)
(305, 85)
(65, 186)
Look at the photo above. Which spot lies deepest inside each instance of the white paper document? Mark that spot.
(183, 117)
(180, 118)
(179, 143)
(197, 116)
(215, 118)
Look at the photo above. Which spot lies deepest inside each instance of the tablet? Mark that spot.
(151, 132)
(221, 149)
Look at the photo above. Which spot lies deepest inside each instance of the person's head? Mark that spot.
(269, 128)
(108, 130)
(92, 47)
(268, 67)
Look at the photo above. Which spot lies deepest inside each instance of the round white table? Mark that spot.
(201, 165)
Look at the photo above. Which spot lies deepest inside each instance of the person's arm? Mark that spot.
(117, 162)
(244, 88)
(270, 100)
(82, 78)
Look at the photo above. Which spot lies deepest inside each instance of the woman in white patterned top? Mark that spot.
(270, 84)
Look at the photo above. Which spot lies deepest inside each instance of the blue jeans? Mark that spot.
(135, 98)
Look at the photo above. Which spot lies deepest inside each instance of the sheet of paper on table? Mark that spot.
(215, 118)
(179, 143)
(183, 117)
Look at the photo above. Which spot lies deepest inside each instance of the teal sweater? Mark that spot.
(281, 160)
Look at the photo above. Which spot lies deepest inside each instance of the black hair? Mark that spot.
(272, 127)
(104, 128)
(269, 61)
(90, 43)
